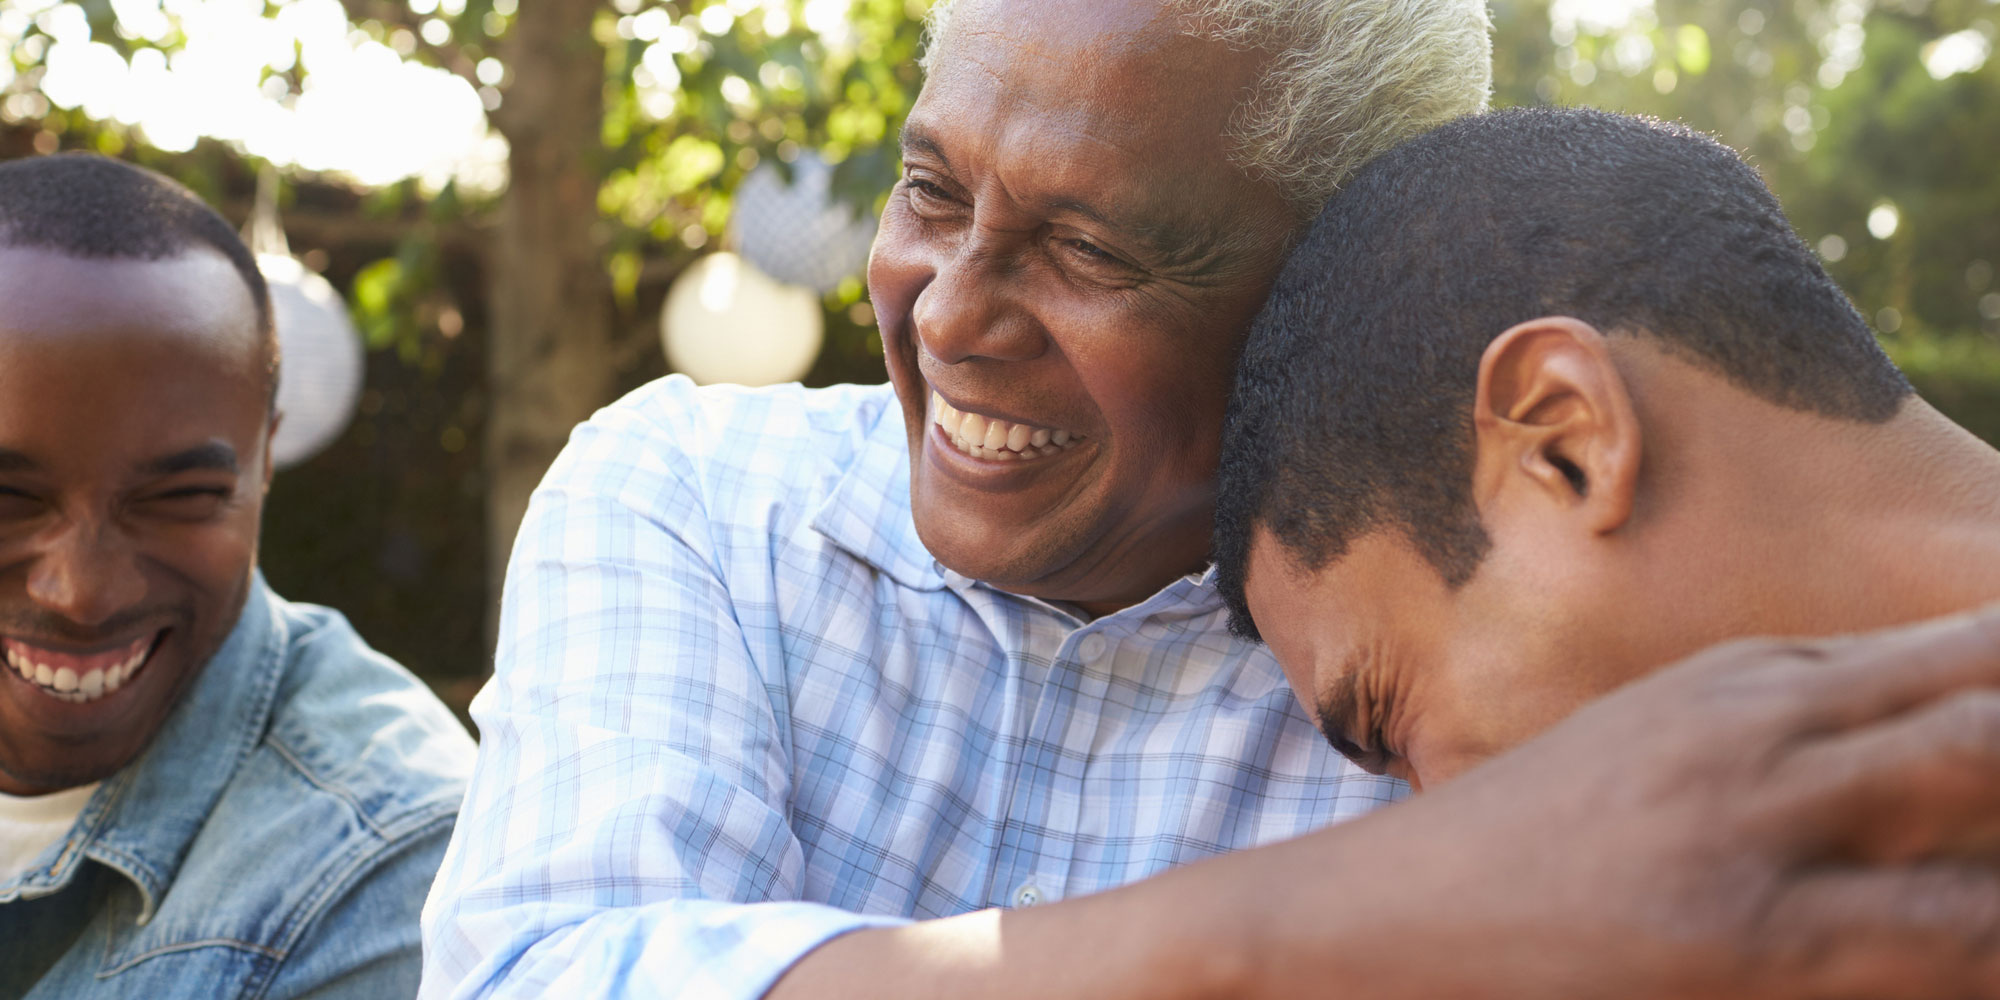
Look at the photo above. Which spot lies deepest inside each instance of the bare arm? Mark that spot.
(1178, 935)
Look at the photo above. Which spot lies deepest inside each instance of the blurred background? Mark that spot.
(485, 218)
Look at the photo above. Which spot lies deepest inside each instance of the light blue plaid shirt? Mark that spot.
(739, 709)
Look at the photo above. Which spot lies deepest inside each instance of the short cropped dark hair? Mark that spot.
(86, 205)
(1352, 408)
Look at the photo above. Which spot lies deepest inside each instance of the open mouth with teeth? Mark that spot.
(78, 678)
(995, 439)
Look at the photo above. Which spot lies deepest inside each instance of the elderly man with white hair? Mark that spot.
(925, 689)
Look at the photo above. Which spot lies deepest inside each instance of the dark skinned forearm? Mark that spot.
(1184, 935)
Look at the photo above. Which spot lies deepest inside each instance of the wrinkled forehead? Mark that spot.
(193, 301)
(1082, 45)
(1107, 82)
(1107, 109)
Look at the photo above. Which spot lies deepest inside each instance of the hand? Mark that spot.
(1797, 819)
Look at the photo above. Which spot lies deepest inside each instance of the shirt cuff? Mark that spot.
(753, 946)
(685, 948)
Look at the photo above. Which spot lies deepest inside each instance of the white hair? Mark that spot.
(1347, 79)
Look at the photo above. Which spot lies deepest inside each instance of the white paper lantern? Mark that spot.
(800, 233)
(321, 358)
(726, 321)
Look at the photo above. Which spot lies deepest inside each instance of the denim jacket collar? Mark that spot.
(141, 820)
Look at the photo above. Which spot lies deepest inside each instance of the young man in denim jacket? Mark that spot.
(205, 790)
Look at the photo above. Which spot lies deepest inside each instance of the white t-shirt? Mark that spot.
(29, 825)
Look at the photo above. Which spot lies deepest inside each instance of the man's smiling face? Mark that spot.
(134, 416)
(1064, 276)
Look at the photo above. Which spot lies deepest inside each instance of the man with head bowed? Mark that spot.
(1549, 398)
(926, 689)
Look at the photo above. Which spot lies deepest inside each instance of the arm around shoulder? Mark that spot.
(1184, 935)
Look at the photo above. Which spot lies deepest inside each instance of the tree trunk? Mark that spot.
(552, 307)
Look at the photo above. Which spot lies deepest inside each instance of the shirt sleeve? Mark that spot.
(625, 833)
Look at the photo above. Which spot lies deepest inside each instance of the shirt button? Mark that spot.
(1152, 630)
(1091, 649)
(1027, 896)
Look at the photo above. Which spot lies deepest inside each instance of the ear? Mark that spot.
(1553, 413)
(270, 436)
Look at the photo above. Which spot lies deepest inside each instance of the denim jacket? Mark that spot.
(276, 839)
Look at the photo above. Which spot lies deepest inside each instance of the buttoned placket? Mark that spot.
(1027, 871)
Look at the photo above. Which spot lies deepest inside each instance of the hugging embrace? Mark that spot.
(930, 689)
(1271, 431)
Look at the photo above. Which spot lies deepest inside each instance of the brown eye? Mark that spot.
(1091, 250)
(1093, 259)
(16, 505)
(194, 503)
(926, 196)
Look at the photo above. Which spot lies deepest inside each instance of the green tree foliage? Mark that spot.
(701, 94)
(1837, 104)
(1856, 112)
(696, 94)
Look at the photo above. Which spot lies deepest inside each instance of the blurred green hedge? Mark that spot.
(1959, 376)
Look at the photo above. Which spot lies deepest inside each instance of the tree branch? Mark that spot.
(346, 229)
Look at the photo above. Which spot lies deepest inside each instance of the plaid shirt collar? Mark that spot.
(868, 513)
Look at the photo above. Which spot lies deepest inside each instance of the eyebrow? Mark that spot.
(14, 461)
(914, 136)
(211, 457)
(1175, 244)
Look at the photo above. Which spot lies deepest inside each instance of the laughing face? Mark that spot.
(1064, 276)
(134, 418)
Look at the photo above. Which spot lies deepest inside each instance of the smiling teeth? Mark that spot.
(997, 440)
(65, 684)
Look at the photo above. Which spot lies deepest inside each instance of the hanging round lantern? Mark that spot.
(799, 233)
(320, 359)
(726, 321)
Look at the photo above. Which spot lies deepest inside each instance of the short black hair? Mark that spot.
(1352, 408)
(86, 205)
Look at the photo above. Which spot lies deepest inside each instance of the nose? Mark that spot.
(969, 311)
(87, 573)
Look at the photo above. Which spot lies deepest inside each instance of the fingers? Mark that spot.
(1926, 932)
(1832, 685)
(1918, 786)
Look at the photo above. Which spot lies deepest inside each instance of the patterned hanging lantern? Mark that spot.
(799, 233)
